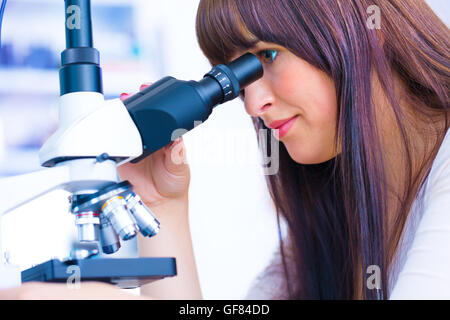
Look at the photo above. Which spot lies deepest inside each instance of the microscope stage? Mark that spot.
(126, 273)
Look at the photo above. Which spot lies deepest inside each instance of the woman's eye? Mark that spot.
(268, 55)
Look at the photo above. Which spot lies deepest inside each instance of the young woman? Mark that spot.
(362, 114)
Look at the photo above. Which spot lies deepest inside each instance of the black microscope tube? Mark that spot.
(80, 62)
(78, 23)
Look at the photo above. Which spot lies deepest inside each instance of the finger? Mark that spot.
(9, 294)
(26, 291)
(175, 157)
(145, 85)
(125, 96)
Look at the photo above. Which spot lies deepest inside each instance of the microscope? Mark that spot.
(93, 138)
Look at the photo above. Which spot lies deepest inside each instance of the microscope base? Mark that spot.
(125, 273)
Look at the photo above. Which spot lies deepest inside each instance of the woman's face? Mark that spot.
(292, 89)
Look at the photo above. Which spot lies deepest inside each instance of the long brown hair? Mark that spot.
(337, 211)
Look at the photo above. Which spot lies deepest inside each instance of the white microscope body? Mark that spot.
(89, 126)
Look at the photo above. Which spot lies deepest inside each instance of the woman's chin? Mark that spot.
(307, 155)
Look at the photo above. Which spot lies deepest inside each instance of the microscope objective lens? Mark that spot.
(88, 226)
(109, 240)
(145, 219)
(123, 223)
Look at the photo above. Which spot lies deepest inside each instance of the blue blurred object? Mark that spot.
(7, 54)
(42, 58)
(2, 11)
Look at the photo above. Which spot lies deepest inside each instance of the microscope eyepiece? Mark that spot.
(236, 75)
(168, 105)
(246, 69)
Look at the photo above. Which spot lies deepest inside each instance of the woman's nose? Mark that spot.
(258, 98)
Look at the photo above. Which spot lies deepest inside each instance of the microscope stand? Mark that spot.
(127, 273)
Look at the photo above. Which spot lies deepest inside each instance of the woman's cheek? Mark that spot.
(313, 139)
(319, 131)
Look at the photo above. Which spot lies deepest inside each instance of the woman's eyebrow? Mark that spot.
(256, 48)
(241, 52)
(261, 46)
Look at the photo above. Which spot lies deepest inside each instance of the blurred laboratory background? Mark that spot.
(232, 219)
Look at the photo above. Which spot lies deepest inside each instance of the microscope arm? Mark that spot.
(18, 190)
(72, 176)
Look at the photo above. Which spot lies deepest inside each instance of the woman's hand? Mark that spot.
(162, 181)
(160, 177)
(54, 291)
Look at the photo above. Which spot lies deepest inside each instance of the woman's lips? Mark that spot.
(283, 126)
